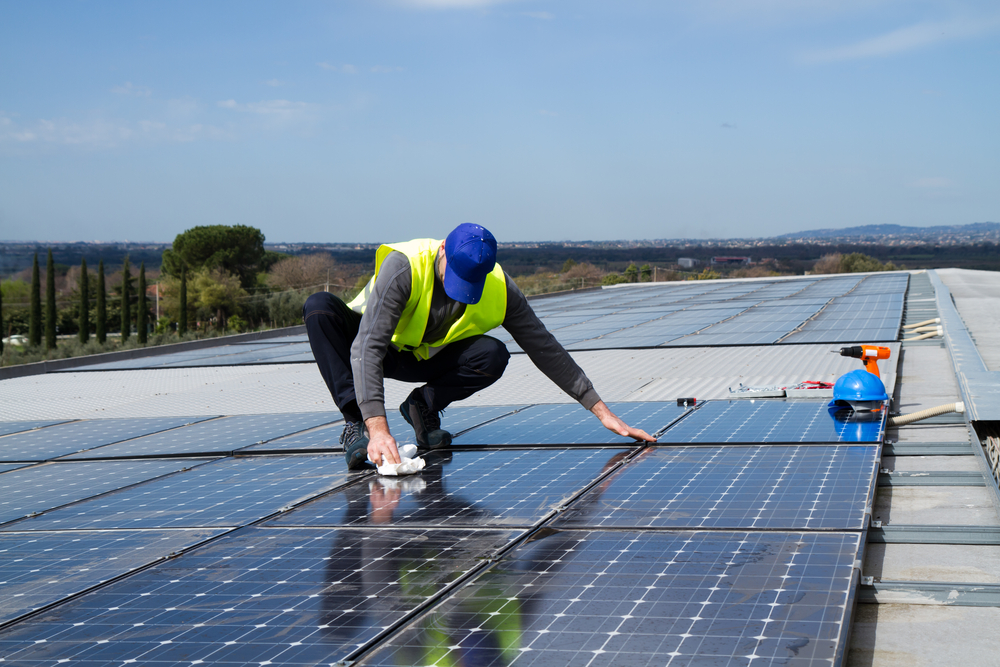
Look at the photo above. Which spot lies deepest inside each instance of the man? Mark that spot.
(423, 318)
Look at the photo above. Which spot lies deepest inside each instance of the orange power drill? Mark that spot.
(868, 354)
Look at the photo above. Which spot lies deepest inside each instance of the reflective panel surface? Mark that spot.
(472, 488)
(804, 487)
(17, 427)
(569, 424)
(291, 597)
(216, 436)
(41, 487)
(772, 420)
(229, 492)
(625, 598)
(37, 569)
(63, 439)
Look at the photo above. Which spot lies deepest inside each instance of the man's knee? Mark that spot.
(322, 303)
(488, 356)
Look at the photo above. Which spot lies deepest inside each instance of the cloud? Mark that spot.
(274, 111)
(99, 133)
(132, 91)
(346, 69)
(932, 183)
(902, 40)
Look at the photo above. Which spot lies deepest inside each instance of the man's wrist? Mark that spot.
(377, 425)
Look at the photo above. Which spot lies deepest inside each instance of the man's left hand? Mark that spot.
(613, 423)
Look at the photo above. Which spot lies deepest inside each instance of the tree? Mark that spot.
(35, 318)
(84, 284)
(219, 293)
(101, 329)
(631, 273)
(1, 318)
(568, 264)
(307, 271)
(182, 319)
(126, 300)
(709, 274)
(236, 249)
(50, 303)
(828, 264)
(141, 313)
(645, 273)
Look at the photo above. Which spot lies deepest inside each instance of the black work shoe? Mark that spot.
(355, 442)
(425, 422)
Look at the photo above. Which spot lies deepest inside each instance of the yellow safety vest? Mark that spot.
(409, 335)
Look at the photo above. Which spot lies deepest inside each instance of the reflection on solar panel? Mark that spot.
(770, 420)
(215, 436)
(472, 488)
(4, 467)
(41, 568)
(43, 487)
(626, 598)
(569, 424)
(785, 487)
(229, 492)
(7, 428)
(291, 597)
(73, 437)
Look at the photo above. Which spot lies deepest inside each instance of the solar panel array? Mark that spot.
(539, 536)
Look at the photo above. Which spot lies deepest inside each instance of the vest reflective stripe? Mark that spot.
(477, 319)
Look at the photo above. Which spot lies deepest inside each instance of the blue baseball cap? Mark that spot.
(471, 252)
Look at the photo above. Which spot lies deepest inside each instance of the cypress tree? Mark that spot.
(84, 302)
(140, 316)
(101, 330)
(50, 303)
(35, 315)
(1, 318)
(182, 324)
(126, 309)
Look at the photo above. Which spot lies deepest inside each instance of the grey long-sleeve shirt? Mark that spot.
(386, 304)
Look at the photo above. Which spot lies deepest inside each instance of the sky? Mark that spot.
(543, 120)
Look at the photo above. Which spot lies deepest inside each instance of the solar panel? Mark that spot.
(629, 598)
(41, 487)
(6, 428)
(773, 487)
(228, 492)
(770, 420)
(723, 339)
(4, 467)
(569, 424)
(464, 488)
(840, 336)
(73, 437)
(215, 436)
(37, 569)
(291, 597)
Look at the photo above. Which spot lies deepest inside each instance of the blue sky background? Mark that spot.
(382, 120)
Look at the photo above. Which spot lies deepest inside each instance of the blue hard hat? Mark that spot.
(858, 389)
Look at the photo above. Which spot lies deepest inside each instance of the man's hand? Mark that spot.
(380, 441)
(613, 423)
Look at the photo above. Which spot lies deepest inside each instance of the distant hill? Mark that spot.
(973, 229)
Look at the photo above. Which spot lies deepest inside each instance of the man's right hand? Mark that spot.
(380, 441)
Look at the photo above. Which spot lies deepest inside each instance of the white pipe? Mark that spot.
(936, 320)
(902, 420)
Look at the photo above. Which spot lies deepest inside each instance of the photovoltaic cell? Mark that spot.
(48, 443)
(4, 467)
(37, 569)
(228, 492)
(606, 599)
(569, 424)
(773, 487)
(282, 597)
(724, 339)
(7, 428)
(464, 489)
(770, 420)
(42, 487)
(215, 436)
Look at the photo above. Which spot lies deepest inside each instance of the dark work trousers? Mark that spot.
(458, 371)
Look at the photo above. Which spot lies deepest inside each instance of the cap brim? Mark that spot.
(462, 290)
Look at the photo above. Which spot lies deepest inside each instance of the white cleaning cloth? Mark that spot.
(409, 462)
